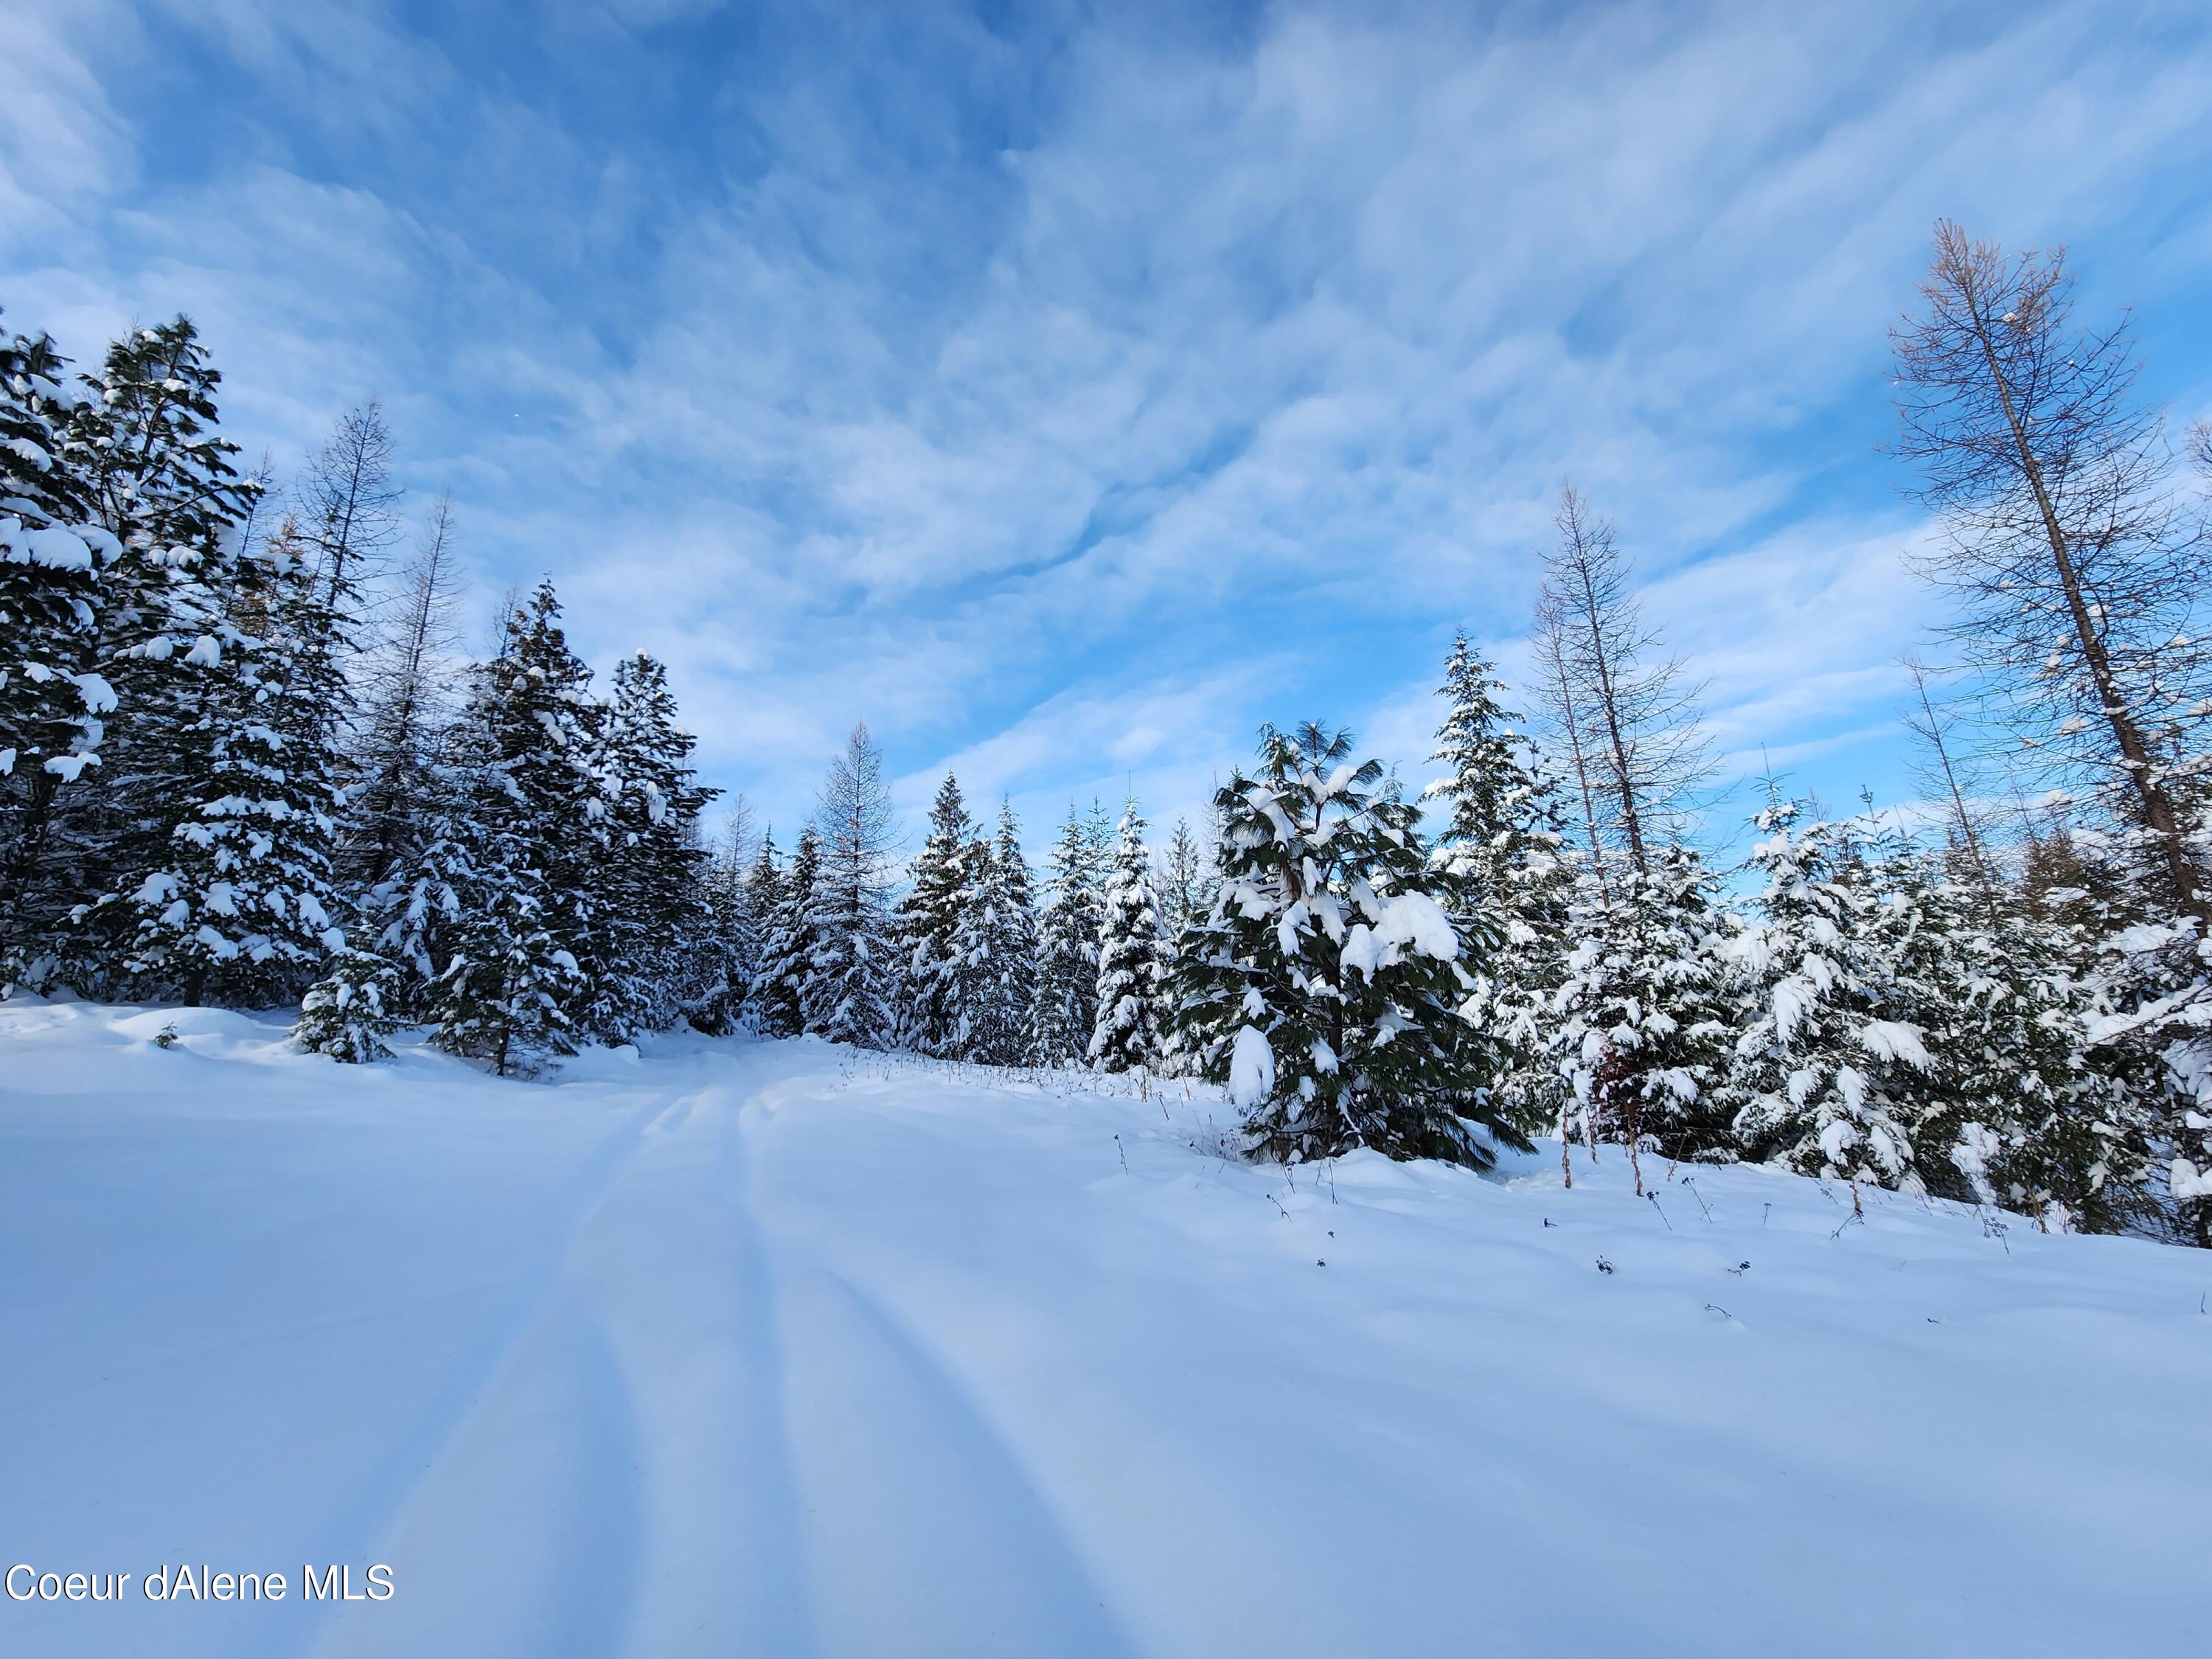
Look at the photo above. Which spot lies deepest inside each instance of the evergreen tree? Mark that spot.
(936, 924)
(545, 732)
(848, 994)
(1065, 1010)
(1829, 1068)
(1007, 991)
(349, 1011)
(729, 954)
(777, 899)
(1323, 987)
(1509, 883)
(241, 911)
(1186, 880)
(651, 922)
(1125, 1035)
(1639, 1024)
(784, 989)
(508, 985)
(52, 709)
(2019, 1109)
(166, 506)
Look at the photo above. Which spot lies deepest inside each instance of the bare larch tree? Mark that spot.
(1627, 715)
(2076, 566)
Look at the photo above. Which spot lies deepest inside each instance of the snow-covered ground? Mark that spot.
(775, 1349)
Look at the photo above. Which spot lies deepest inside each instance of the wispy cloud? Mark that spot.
(1066, 396)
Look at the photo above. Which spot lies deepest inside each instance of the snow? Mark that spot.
(782, 1349)
(1251, 1068)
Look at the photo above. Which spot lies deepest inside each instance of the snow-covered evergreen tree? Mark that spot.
(1006, 990)
(779, 899)
(1830, 1071)
(1186, 880)
(650, 919)
(847, 997)
(52, 707)
(1639, 1025)
(1066, 1009)
(242, 911)
(349, 1011)
(165, 505)
(1509, 882)
(938, 924)
(1127, 1031)
(544, 730)
(1323, 987)
(508, 986)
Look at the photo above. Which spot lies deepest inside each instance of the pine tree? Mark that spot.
(1639, 1024)
(1007, 989)
(545, 731)
(786, 983)
(1186, 879)
(1127, 1034)
(1500, 856)
(847, 996)
(1828, 1066)
(779, 899)
(166, 506)
(651, 922)
(349, 1011)
(241, 910)
(1065, 1010)
(508, 987)
(1323, 987)
(2019, 1109)
(52, 565)
(729, 953)
(935, 924)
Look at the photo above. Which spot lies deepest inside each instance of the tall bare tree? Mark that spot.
(1555, 697)
(1629, 714)
(2076, 566)
(352, 500)
(403, 702)
(1944, 771)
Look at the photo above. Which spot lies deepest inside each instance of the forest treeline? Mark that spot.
(244, 760)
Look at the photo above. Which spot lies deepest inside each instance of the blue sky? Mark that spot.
(1066, 389)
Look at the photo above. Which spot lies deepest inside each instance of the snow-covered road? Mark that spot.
(772, 1349)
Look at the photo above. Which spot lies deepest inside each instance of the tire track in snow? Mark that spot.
(623, 1485)
(926, 1536)
(360, 1528)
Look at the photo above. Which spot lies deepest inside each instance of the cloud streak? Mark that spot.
(1005, 384)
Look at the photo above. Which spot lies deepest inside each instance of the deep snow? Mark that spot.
(776, 1349)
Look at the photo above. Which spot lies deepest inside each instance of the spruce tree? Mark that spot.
(1501, 857)
(940, 974)
(349, 1011)
(508, 987)
(849, 993)
(240, 910)
(1007, 991)
(651, 922)
(1128, 1031)
(784, 991)
(52, 710)
(1323, 987)
(1829, 1068)
(1639, 1025)
(164, 506)
(1066, 1009)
